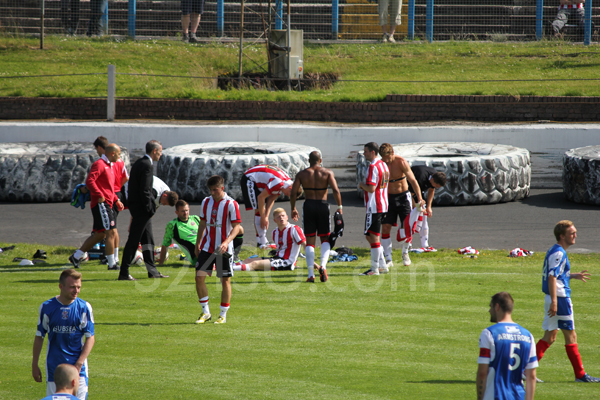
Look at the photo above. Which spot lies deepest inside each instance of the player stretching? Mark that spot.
(261, 185)
(315, 181)
(67, 320)
(506, 352)
(220, 218)
(289, 238)
(399, 203)
(376, 201)
(557, 305)
(429, 180)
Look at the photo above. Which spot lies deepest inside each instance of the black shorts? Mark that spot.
(316, 218)
(192, 6)
(280, 264)
(121, 197)
(104, 219)
(250, 192)
(206, 261)
(373, 223)
(399, 206)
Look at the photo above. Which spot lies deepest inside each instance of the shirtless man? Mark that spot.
(399, 202)
(315, 181)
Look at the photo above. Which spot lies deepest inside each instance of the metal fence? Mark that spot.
(319, 19)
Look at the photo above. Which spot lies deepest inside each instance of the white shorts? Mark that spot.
(564, 315)
(81, 392)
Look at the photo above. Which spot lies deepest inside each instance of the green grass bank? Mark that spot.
(367, 71)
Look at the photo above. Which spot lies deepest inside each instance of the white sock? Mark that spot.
(224, 309)
(375, 258)
(424, 233)
(325, 248)
(405, 246)
(424, 238)
(116, 255)
(239, 267)
(387, 248)
(111, 260)
(261, 234)
(78, 254)
(310, 260)
(382, 263)
(204, 303)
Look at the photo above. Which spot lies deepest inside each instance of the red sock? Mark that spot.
(540, 349)
(575, 358)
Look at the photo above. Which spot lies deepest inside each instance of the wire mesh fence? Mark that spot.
(319, 19)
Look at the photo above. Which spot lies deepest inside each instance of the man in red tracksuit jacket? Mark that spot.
(100, 183)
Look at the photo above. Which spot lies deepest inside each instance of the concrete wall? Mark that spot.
(338, 143)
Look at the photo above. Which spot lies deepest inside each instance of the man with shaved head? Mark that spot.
(66, 379)
(316, 181)
(101, 184)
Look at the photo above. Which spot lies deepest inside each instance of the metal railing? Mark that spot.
(319, 19)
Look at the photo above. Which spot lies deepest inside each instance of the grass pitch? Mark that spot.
(411, 334)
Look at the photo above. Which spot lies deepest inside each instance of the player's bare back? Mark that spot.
(315, 182)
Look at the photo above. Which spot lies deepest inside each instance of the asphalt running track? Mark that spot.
(527, 224)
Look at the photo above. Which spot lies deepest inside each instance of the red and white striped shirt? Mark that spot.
(378, 176)
(119, 171)
(218, 215)
(269, 177)
(288, 242)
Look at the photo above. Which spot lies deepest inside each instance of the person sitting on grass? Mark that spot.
(289, 238)
(183, 230)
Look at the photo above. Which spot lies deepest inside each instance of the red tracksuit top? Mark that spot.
(100, 182)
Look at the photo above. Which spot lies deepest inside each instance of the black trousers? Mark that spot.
(69, 10)
(139, 232)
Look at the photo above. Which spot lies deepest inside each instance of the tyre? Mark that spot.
(478, 173)
(45, 171)
(581, 175)
(186, 168)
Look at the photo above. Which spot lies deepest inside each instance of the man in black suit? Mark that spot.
(142, 207)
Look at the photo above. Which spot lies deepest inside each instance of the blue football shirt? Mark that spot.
(60, 396)
(509, 349)
(556, 264)
(67, 327)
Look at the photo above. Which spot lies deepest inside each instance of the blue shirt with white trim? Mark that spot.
(67, 327)
(556, 264)
(60, 396)
(509, 349)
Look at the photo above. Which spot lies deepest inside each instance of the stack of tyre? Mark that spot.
(581, 175)
(478, 173)
(186, 168)
(45, 171)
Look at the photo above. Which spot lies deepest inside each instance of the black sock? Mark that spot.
(237, 245)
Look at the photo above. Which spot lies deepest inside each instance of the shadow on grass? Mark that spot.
(56, 280)
(448, 382)
(53, 267)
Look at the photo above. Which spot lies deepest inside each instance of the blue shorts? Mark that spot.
(192, 6)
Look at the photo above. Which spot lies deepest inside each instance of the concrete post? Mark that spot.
(110, 97)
